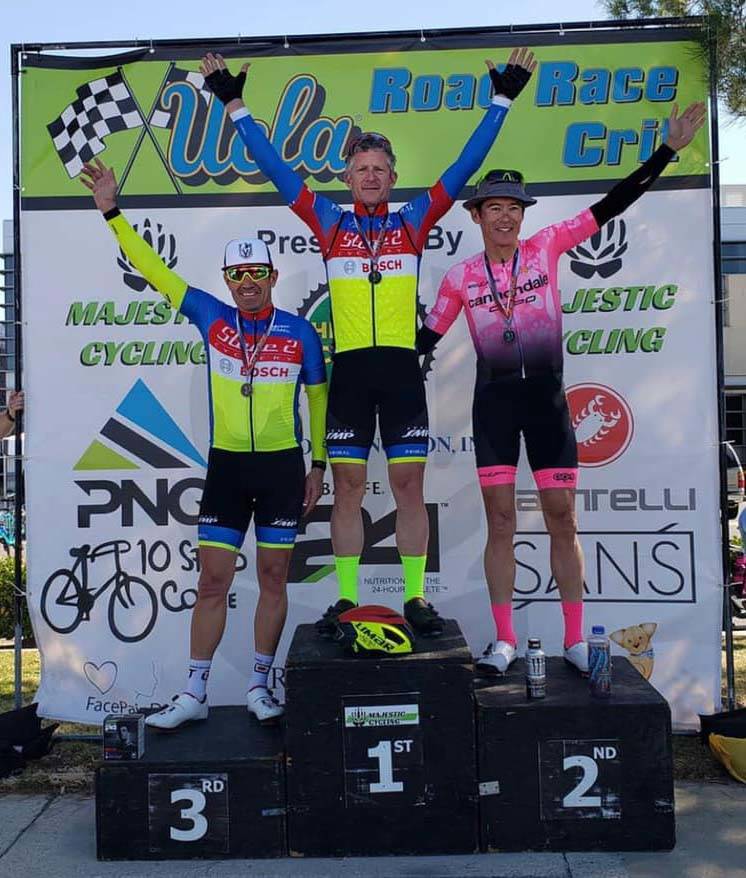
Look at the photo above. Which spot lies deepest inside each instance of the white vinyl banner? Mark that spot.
(117, 442)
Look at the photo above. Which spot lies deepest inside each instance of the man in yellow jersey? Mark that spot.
(256, 357)
(372, 256)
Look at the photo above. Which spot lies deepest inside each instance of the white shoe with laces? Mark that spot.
(184, 708)
(497, 658)
(263, 704)
(577, 656)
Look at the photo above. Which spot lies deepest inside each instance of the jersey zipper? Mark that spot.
(520, 352)
(250, 378)
(517, 333)
(372, 289)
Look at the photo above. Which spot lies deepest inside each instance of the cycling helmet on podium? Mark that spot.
(374, 631)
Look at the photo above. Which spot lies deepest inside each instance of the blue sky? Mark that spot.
(37, 21)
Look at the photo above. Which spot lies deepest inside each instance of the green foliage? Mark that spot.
(7, 601)
(724, 28)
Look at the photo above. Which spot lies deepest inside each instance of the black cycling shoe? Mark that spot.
(327, 625)
(423, 617)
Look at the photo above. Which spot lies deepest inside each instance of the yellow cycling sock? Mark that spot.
(414, 576)
(347, 567)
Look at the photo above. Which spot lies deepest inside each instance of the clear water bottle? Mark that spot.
(536, 669)
(599, 663)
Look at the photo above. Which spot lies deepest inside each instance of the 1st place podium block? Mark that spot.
(572, 773)
(211, 790)
(380, 751)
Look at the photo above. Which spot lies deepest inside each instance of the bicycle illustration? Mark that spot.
(66, 599)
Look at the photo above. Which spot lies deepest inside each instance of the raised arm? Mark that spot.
(321, 214)
(102, 183)
(425, 210)
(681, 130)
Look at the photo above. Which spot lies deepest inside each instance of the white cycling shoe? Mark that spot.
(577, 656)
(263, 705)
(497, 658)
(184, 708)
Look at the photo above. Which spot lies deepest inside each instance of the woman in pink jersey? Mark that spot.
(510, 296)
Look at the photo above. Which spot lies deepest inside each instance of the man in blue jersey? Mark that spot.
(372, 256)
(257, 357)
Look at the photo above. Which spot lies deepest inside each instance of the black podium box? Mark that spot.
(570, 772)
(211, 790)
(380, 752)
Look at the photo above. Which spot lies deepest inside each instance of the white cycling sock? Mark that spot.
(262, 665)
(199, 671)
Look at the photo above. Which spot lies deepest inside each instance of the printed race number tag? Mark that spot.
(383, 762)
(188, 810)
(580, 780)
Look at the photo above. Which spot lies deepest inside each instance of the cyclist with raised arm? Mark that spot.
(257, 356)
(512, 303)
(372, 256)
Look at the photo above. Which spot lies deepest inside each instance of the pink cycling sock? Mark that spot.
(573, 613)
(503, 616)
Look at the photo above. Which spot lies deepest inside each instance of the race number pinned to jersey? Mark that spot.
(188, 811)
(580, 780)
(383, 759)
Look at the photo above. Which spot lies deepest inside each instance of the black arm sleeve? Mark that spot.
(426, 340)
(626, 192)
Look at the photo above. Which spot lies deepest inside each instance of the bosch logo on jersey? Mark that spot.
(266, 371)
(384, 265)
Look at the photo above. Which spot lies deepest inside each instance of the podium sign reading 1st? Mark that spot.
(383, 750)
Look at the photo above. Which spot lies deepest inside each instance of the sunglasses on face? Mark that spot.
(368, 140)
(254, 272)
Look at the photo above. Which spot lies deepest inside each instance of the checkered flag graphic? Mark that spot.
(103, 107)
(164, 118)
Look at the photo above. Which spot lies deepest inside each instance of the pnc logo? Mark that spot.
(602, 421)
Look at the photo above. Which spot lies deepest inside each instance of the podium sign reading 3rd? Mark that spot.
(188, 810)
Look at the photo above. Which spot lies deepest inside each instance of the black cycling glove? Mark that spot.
(224, 85)
(511, 81)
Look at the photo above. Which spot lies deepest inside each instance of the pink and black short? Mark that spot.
(506, 406)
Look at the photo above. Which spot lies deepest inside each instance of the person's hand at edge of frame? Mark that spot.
(226, 87)
(15, 404)
(100, 179)
(681, 129)
(314, 486)
(511, 81)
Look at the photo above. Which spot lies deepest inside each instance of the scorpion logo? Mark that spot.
(602, 421)
(592, 423)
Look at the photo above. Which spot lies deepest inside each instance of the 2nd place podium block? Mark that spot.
(572, 773)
